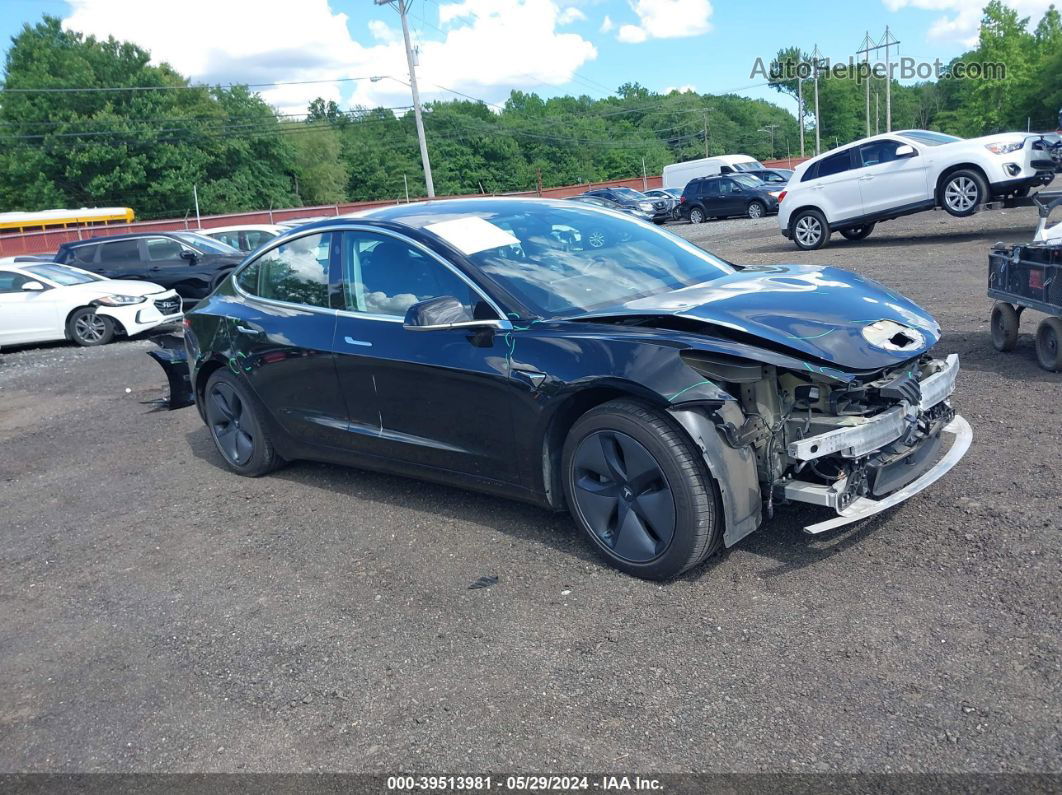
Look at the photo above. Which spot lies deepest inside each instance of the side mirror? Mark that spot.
(444, 312)
(33, 287)
(188, 255)
(906, 151)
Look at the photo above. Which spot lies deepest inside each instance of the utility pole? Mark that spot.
(877, 112)
(405, 181)
(195, 195)
(706, 132)
(645, 178)
(769, 128)
(800, 104)
(865, 51)
(403, 6)
(887, 41)
(818, 125)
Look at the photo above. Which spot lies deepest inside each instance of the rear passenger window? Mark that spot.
(84, 254)
(120, 251)
(835, 164)
(296, 272)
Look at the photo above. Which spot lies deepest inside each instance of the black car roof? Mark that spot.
(110, 238)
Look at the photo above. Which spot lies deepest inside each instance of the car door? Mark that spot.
(836, 188)
(27, 315)
(732, 197)
(710, 198)
(164, 264)
(281, 336)
(119, 259)
(886, 181)
(444, 395)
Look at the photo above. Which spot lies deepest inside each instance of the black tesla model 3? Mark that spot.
(575, 358)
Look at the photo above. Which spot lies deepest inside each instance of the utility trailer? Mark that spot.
(1029, 276)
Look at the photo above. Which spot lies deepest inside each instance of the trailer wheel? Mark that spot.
(1048, 337)
(1005, 323)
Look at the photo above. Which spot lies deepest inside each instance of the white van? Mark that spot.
(678, 174)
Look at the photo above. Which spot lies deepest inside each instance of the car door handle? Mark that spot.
(361, 343)
(866, 178)
(253, 332)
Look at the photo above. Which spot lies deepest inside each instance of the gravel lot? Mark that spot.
(160, 614)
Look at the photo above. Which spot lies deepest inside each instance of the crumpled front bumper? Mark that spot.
(861, 440)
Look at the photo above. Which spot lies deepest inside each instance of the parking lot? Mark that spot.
(160, 614)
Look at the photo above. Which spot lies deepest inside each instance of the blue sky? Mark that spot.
(485, 48)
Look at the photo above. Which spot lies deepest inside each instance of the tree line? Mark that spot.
(146, 148)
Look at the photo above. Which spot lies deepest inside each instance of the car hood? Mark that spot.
(829, 314)
(119, 287)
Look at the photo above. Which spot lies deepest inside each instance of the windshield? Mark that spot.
(752, 165)
(206, 244)
(628, 193)
(575, 259)
(60, 274)
(747, 181)
(930, 138)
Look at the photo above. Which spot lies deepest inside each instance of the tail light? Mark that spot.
(782, 195)
(682, 199)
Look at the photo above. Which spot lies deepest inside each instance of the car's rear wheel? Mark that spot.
(640, 491)
(237, 427)
(809, 229)
(963, 192)
(1048, 339)
(756, 209)
(696, 215)
(89, 329)
(858, 232)
(1005, 324)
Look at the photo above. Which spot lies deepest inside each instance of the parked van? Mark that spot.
(677, 175)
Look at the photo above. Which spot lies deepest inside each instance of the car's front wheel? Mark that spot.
(809, 229)
(89, 329)
(756, 209)
(963, 192)
(696, 215)
(237, 426)
(640, 490)
(858, 232)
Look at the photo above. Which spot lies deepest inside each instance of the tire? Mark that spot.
(963, 192)
(809, 230)
(640, 491)
(1049, 344)
(234, 419)
(88, 329)
(1005, 323)
(858, 232)
(756, 210)
(696, 215)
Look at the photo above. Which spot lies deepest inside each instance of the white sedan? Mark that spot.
(45, 301)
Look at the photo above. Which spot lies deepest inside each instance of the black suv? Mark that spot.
(191, 264)
(723, 196)
(660, 209)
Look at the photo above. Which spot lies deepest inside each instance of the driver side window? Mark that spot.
(386, 276)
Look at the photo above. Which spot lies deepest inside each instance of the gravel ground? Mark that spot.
(159, 614)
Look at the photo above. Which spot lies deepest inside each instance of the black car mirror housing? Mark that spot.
(445, 312)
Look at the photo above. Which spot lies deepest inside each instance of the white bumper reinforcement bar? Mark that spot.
(886, 427)
(863, 507)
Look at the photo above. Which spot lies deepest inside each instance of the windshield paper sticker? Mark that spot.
(472, 234)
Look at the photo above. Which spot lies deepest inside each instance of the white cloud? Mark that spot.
(961, 19)
(681, 89)
(570, 15)
(667, 19)
(607, 24)
(381, 31)
(490, 47)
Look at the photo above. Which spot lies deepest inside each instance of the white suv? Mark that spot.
(850, 189)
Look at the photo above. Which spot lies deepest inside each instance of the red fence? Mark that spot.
(46, 242)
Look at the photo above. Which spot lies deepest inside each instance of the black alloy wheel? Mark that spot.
(622, 494)
(232, 416)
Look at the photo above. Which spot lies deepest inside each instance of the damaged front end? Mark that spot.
(854, 443)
